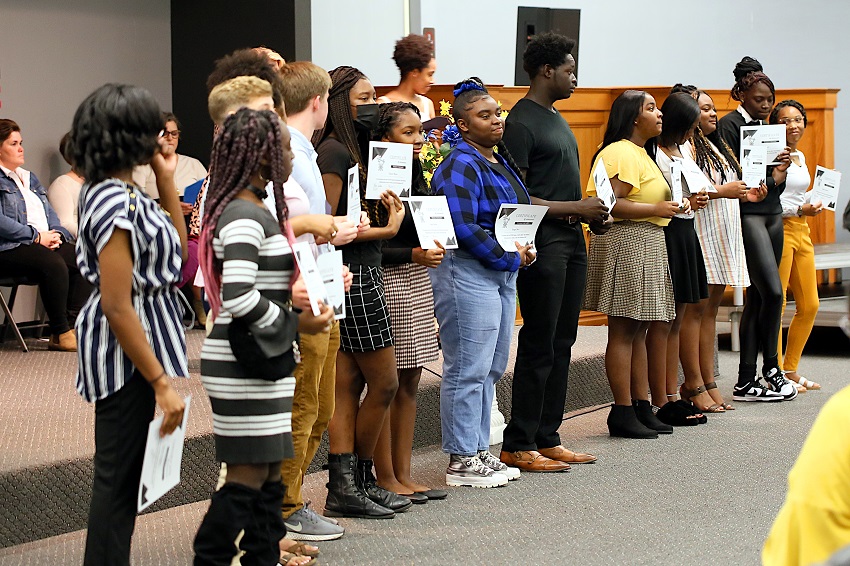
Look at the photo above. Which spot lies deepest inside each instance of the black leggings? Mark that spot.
(63, 289)
(761, 320)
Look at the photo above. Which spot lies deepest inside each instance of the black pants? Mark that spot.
(120, 433)
(550, 296)
(761, 320)
(63, 289)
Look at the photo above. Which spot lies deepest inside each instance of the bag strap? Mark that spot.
(290, 237)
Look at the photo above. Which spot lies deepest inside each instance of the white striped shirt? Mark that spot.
(104, 367)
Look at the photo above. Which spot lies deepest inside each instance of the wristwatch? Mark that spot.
(800, 211)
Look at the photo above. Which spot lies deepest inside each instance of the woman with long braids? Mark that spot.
(248, 266)
(366, 356)
(628, 275)
(131, 335)
(761, 226)
(411, 304)
(475, 287)
(797, 268)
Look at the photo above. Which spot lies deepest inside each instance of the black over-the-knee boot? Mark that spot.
(231, 510)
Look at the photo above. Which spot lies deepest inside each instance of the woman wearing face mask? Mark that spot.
(628, 276)
(366, 356)
(797, 268)
(475, 287)
(761, 224)
(414, 57)
(411, 304)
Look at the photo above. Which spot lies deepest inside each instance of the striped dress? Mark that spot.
(718, 228)
(104, 367)
(252, 417)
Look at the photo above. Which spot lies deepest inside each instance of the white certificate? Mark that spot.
(390, 168)
(604, 190)
(330, 266)
(695, 178)
(518, 223)
(310, 273)
(825, 187)
(353, 213)
(754, 165)
(161, 466)
(433, 221)
(772, 138)
(676, 180)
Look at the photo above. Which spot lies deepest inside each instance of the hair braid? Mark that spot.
(249, 143)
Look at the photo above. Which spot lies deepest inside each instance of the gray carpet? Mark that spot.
(702, 495)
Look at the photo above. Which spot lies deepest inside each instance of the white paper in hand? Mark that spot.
(518, 223)
(163, 456)
(433, 221)
(676, 180)
(330, 266)
(753, 165)
(604, 190)
(353, 213)
(771, 138)
(311, 276)
(825, 187)
(390, 165)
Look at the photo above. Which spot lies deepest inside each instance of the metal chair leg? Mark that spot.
(7, 310)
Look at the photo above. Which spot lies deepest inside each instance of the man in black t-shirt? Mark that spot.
(550, 291)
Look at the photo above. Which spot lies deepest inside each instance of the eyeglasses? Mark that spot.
(794, 120)
(175, 134)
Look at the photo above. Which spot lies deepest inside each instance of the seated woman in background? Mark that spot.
(64, 191)
(414, 57)
(34, 243)
(797, 267)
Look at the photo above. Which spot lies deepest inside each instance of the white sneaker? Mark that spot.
(780, 384)
(498, 466)
(470, 471)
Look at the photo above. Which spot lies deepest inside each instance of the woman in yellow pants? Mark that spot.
(797, 268)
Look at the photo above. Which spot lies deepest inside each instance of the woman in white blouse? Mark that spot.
(64, 192)
(797, 268)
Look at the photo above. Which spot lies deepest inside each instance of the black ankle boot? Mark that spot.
(345, 497)
(623, 422)
(643, 412)
(231, 510)
(262, 544)
(378, 494)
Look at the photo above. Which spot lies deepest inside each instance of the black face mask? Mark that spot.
(367, 117)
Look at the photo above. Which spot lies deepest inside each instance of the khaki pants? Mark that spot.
(312, 408)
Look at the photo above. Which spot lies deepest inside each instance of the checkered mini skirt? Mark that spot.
(366, 326)
(411, 303)
(628, 274)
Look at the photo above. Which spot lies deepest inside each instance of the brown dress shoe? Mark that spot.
(563, 455)
(65, 342)
(532, 461)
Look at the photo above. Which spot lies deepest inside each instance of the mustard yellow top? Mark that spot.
(631, 164)
(814, 522)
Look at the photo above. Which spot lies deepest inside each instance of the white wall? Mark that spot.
(622, 42)
(53, 53)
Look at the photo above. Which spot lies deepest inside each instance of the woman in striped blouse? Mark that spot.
(131, 340)
(248, 265)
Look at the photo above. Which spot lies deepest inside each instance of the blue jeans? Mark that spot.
(476, 309)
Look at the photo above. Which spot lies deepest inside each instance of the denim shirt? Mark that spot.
(475, 192)
(14, 229)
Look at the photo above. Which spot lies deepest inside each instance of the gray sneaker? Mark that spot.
(471, 471)
(498, 466)
(330, 520)
(306, 524)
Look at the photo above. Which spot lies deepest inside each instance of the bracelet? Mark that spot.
(160, 376)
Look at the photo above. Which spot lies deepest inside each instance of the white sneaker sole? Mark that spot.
(496, 480)
(747, 398)
(512, 474)
(315, 538)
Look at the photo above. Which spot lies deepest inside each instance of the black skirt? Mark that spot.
(366, 326)
(687, 267)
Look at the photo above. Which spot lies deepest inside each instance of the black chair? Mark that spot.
(14, 282)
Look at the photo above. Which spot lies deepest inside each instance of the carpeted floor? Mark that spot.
(701, 495)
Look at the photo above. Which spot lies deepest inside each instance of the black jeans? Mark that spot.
(550, 296)
(120, 433)
(761, 320)
(63, 289)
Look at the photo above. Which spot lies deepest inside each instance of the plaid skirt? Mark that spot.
(628, 274)
(411, 304)
(366, 326)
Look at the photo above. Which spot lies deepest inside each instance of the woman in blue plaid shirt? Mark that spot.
(475, 287)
